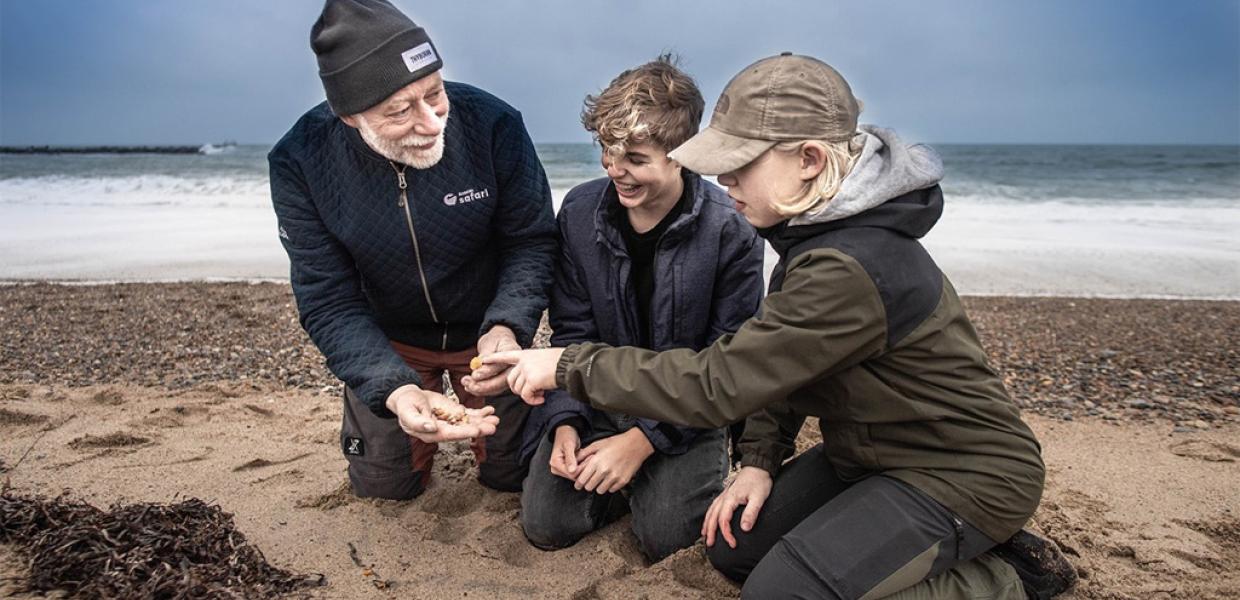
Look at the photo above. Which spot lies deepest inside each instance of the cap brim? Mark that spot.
(713, 152)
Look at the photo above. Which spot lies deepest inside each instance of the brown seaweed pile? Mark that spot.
(189, 549)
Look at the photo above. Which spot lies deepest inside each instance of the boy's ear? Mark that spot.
(813, 157)
(350, 120)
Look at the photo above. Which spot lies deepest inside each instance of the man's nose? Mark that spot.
(613, 170)
(427, 122)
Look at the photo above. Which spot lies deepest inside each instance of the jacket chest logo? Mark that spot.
(466, 196)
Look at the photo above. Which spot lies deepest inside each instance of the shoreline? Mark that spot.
(75, 282)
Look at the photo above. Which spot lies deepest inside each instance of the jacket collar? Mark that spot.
(912, 214)
(609, 209)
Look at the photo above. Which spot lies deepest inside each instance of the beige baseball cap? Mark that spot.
(778, 99)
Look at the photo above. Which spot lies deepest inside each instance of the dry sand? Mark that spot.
(1144, 497)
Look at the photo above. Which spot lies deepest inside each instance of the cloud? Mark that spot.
(130, 71)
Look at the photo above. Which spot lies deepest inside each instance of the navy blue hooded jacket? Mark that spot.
(708, 280)
(474, 249)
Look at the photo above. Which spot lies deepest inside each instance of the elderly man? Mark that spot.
(419, 228)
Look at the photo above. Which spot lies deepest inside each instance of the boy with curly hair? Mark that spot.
(652, 256)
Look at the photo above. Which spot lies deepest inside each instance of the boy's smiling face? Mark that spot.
(645, 178)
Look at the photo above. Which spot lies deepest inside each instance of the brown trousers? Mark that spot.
(394, 465)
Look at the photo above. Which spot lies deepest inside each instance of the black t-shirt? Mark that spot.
(642, 247)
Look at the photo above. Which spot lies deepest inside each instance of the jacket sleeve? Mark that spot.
(770, 437)
(827, 318)
(572, 322)
(738, 282)
(666, 437)
(330, 302)
(524, 231)
(738, 292)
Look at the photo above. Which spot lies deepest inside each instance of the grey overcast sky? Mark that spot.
(1051, 71)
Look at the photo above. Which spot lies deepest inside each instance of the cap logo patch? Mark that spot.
(419, 56)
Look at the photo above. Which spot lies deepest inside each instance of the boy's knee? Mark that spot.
(547, 530)
(659, 538)
(734, 563)
(781, 574)
(502, 476)
(657, 546)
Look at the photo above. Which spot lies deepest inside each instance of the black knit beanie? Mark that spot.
(367, 50)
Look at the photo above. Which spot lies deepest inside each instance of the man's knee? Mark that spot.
(395, 484)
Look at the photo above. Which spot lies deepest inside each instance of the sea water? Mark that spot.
(1127, 221)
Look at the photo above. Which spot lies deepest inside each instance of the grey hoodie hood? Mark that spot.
(887, 168)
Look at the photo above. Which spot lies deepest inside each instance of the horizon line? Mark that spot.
(5, 146)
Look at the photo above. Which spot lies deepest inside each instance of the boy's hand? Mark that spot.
(609, 464)
(532, 372)
(564, 452)
(751, 488)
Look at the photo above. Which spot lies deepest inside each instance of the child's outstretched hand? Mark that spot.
(532, 372)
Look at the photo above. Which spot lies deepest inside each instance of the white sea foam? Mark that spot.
(160, 227)
(135, 190)
(1067, 249)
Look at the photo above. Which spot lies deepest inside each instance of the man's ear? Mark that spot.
(350, 120)
(813, 157)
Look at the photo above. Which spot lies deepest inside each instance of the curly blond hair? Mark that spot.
(655, 102)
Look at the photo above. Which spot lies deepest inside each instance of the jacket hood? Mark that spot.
(893, 185)
(887, 168)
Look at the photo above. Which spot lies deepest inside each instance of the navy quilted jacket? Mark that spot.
(474, 249)
(708, 280)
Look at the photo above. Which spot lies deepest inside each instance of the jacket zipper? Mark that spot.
(417, 252)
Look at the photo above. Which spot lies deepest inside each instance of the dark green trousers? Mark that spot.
(818, 536)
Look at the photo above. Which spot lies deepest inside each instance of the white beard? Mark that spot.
(402, 150)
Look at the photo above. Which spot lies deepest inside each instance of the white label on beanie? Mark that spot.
(419, 57)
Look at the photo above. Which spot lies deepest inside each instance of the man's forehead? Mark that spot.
(416, 89)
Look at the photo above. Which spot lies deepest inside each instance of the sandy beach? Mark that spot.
(155, 392)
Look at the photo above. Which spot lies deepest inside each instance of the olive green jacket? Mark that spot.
(863, 331)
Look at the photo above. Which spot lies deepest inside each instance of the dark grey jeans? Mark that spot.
(819, 536)
(668, 496)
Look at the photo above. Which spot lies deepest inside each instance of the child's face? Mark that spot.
(644, 176)
(757, 186)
